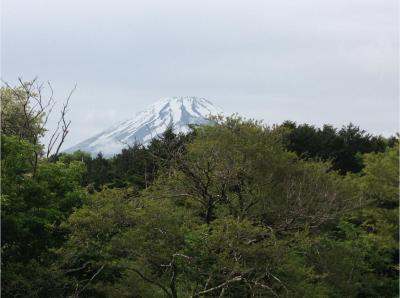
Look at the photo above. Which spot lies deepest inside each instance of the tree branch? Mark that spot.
(201, 293)
(151, 281)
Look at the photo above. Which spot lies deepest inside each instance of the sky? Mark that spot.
(316, 62)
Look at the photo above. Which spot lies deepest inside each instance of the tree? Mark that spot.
(244, 168)
(37, 196)
(124, 245)
(25, 112)
(227, 211)
(127, 236)
(99, 171)
(18, 117)
(340, 146)
(360, 256)
(33, 208)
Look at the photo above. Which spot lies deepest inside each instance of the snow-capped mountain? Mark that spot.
(177, 112)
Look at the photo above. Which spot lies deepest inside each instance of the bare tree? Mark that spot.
(61, 131)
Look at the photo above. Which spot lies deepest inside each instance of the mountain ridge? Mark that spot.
(178, 112)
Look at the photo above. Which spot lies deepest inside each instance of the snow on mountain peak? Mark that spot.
(177, 112)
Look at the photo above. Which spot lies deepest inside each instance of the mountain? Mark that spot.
(177, 112)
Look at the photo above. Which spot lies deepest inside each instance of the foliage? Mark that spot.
(18, 117)
(361, 255)
(225, 211)
(243, 167)
(341, 146)
(33, 207)
(135, 166)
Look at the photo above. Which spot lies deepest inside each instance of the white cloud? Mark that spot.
(315, 61)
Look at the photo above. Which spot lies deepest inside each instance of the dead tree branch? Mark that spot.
(62, 129)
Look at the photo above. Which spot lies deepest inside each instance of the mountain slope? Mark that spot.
(177, 112)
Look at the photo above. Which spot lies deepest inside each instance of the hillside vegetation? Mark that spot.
(233, 209)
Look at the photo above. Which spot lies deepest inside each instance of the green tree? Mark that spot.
(229, 218)
(241, 168)
(360, 257)
(18, 117)
(343, 147)
(130, 240)
(33, 207)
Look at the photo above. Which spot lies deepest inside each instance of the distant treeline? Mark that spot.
(233, 209)
(137, 165)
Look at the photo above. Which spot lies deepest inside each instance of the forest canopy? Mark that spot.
(231, 209)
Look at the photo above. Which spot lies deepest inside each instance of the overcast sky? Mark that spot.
(330, 61)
